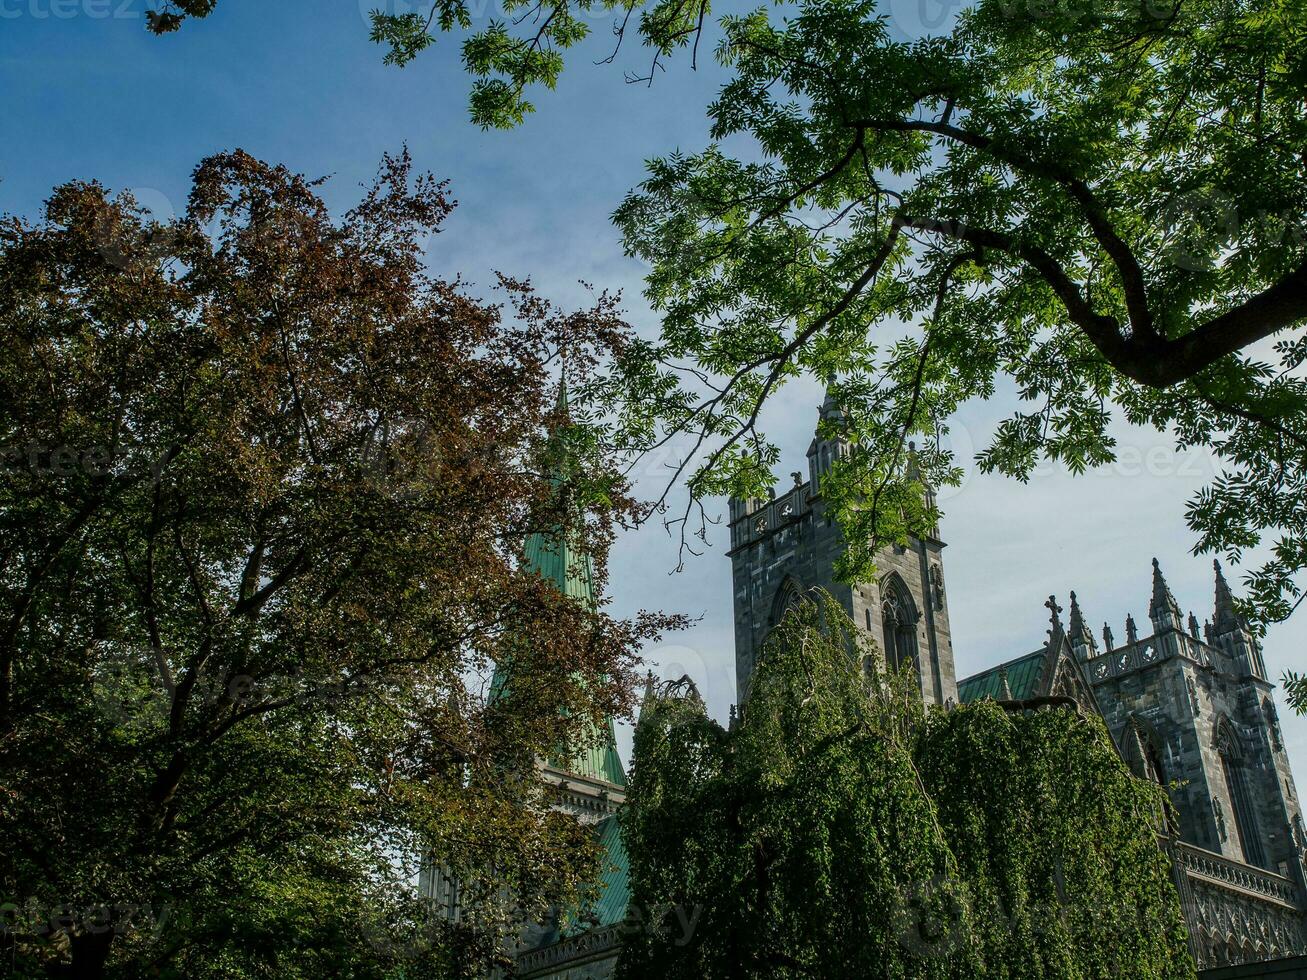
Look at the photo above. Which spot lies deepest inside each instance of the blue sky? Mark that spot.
(87, 93)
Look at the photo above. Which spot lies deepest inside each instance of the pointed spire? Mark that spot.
(830, 408)
(1004, 688)
(1193, 625)
(1077, 620)
(559, 459)
(1109, 641)
(1131, 630)
(1226, 618)
(1164, 608)
(825, 449)
(1079, 632)
(554, 555)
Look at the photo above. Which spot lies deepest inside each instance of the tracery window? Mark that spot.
(1067, 684)
(899, 624)
(1236, 784)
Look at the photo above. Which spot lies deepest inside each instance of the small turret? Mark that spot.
(823, 451)
(1164, 610)
(1193, 625)
(914, 472)
(1082, 640)
(1226, 618)
(741, 509)
(1230, 631)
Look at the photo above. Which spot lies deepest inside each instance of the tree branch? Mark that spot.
(1145, 355)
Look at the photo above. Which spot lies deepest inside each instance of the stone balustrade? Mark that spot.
(1235, 875)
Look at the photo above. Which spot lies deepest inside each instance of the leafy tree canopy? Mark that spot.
(1092, 210)
(265, 492)
(840, 831)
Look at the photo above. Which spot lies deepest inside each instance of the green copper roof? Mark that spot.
(615, 878)
(601, 760)
(614, 882)
(551, 555)
(572, 574)
(553, 558)
(1022, 678)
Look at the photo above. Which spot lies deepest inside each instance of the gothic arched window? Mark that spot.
(899, 624)
(1153, 758)
(787, 598)
(1236, 785)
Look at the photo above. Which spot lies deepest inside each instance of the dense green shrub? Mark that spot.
(841, 830)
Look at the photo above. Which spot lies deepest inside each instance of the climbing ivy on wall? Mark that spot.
(842, 830)
(1057, 844)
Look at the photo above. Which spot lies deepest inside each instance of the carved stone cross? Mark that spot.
(1054, 612)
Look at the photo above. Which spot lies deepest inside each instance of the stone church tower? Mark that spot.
(1188, 706)
(589, 785)
(1201, 707)
(1192, 708)
(783, 546)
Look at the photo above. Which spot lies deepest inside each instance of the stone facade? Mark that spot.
(590, 955)
(1237, 914)
(786, 545)
(1192, 708)
(1187, 706)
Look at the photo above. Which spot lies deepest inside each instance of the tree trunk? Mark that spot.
(90, 953)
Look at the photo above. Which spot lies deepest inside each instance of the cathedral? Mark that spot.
(1188, 705)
